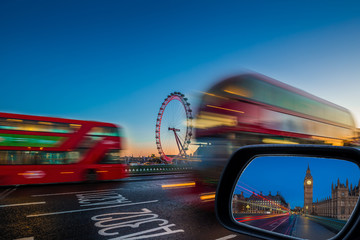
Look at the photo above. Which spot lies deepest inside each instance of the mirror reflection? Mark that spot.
(303, 197)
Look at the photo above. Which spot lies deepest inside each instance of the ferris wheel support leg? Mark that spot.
(179, 143)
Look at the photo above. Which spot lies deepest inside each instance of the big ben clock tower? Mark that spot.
(308, 192)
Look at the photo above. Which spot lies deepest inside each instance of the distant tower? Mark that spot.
(308, 192)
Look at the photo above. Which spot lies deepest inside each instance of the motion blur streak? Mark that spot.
(179, 185)
(276, 220)
(214, 95)
(24, 174)
(13, 120)
(207, 120)
(239, 92)
(259, 195)
(266, 199)
(208, 197)
(334, 142)
(277, 141)
(246, 219)
(227, 109)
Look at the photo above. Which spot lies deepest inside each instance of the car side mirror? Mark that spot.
(291, 192)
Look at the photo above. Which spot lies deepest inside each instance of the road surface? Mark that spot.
(133, 208)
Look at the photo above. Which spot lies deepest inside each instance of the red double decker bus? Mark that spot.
(254, 109)
(35, 149)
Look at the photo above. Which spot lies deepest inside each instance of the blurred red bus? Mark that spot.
(254, 109)
(36, 149)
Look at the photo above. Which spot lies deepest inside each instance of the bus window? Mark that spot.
(72, 157)
(104, 131)
(3, 157)
(35, 157)
(36, 126)
(112, 156)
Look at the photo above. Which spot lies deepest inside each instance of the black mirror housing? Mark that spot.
(242, 157)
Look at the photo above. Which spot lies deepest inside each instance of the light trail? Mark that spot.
(208, 197)
(269, 223)
(266, 199)
(285, 219)
(179, 185)
(291, 225)
(253, 218)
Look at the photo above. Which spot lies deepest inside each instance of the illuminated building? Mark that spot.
(239, 203)
(260, 204)
(341, 203)
(308, 191)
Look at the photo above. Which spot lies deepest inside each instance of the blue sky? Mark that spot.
(116, 61)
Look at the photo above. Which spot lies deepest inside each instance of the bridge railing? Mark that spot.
(157, 169)
(333, 225)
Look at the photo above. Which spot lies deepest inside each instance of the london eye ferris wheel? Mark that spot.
(174, 127)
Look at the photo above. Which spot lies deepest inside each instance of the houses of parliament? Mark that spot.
(339, 205)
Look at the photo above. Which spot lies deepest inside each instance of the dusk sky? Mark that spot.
(116, 61)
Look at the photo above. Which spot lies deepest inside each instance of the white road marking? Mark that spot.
(66, 193)
(227, 237)
(26, 238)
(101, 198)
(111, 224)
(21, 204)
(6, 193)
(90, 209)
(279, 224)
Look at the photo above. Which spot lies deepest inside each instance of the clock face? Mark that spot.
(308, 182)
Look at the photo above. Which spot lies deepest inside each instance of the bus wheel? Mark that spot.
(91, 175)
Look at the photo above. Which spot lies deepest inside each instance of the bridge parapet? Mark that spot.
(332, 224)
(157, 169)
